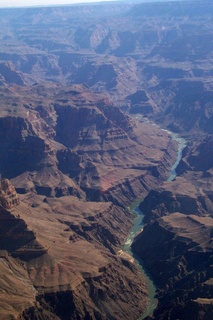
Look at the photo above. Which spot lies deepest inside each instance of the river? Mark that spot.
(138, 226)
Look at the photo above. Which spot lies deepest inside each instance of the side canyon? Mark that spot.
(85, 93)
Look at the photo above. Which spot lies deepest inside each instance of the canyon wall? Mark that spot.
(77, 161)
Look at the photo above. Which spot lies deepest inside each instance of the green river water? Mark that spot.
(138, 226)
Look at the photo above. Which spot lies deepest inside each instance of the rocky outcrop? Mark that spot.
(18, 134)
(98, 297)
(198, 156)
(48, 181)
(98, 135)
(177, 248)
(179, 195)
(16, 238)
(17, 292)
(9, 74)
(188, 106)
(85, 278)
(76, 146)
(75, 139)
(64, 145)
(139, 103)
(8, 195)
(122, 44)
(177, 251)
(196, 166)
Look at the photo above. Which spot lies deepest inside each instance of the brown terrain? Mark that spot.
(59, 260)
(177, 250)
(67, 150)
(179, 235)
(81, 89)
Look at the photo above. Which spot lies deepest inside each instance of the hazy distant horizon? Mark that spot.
(32, 3)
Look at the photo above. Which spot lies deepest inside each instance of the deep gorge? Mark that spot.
(139, 225)
(85, 91)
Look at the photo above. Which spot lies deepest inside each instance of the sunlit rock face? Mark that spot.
(8, 195)
(67, 75)
(87, 272)
(60, 141)
(63, 147)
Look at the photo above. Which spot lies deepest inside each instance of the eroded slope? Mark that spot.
(63, 147)
(177, 249)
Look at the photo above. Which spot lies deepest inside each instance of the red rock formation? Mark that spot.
(8, 195)
(179, 195)
(69, 252)
(177, 250)
(70, 248)
(81, 139)
(57, 142)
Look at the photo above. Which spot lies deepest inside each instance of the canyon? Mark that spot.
(85, 93)
(76, 162)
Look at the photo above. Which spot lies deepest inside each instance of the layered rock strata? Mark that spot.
(177, 251)
(8, 195)
(58, 143)
(131, 52)
(180, 195)
(72, 141)
(176, 243)
(63, 147)
(66, 253)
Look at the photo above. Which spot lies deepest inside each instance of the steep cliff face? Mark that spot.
(196, 166)
(63, 145)
(98, 135)
(89, 122)
(57, 141)
(8, 195)
(198, 156)
(16, 238)
(177, 250)
(10, 75)
(176, 196)
(184, 105)
(17, 292)
(176, 242)
(17, 134)
(18, 244)
(66, 252)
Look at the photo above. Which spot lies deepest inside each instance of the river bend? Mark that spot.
(138, 226)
